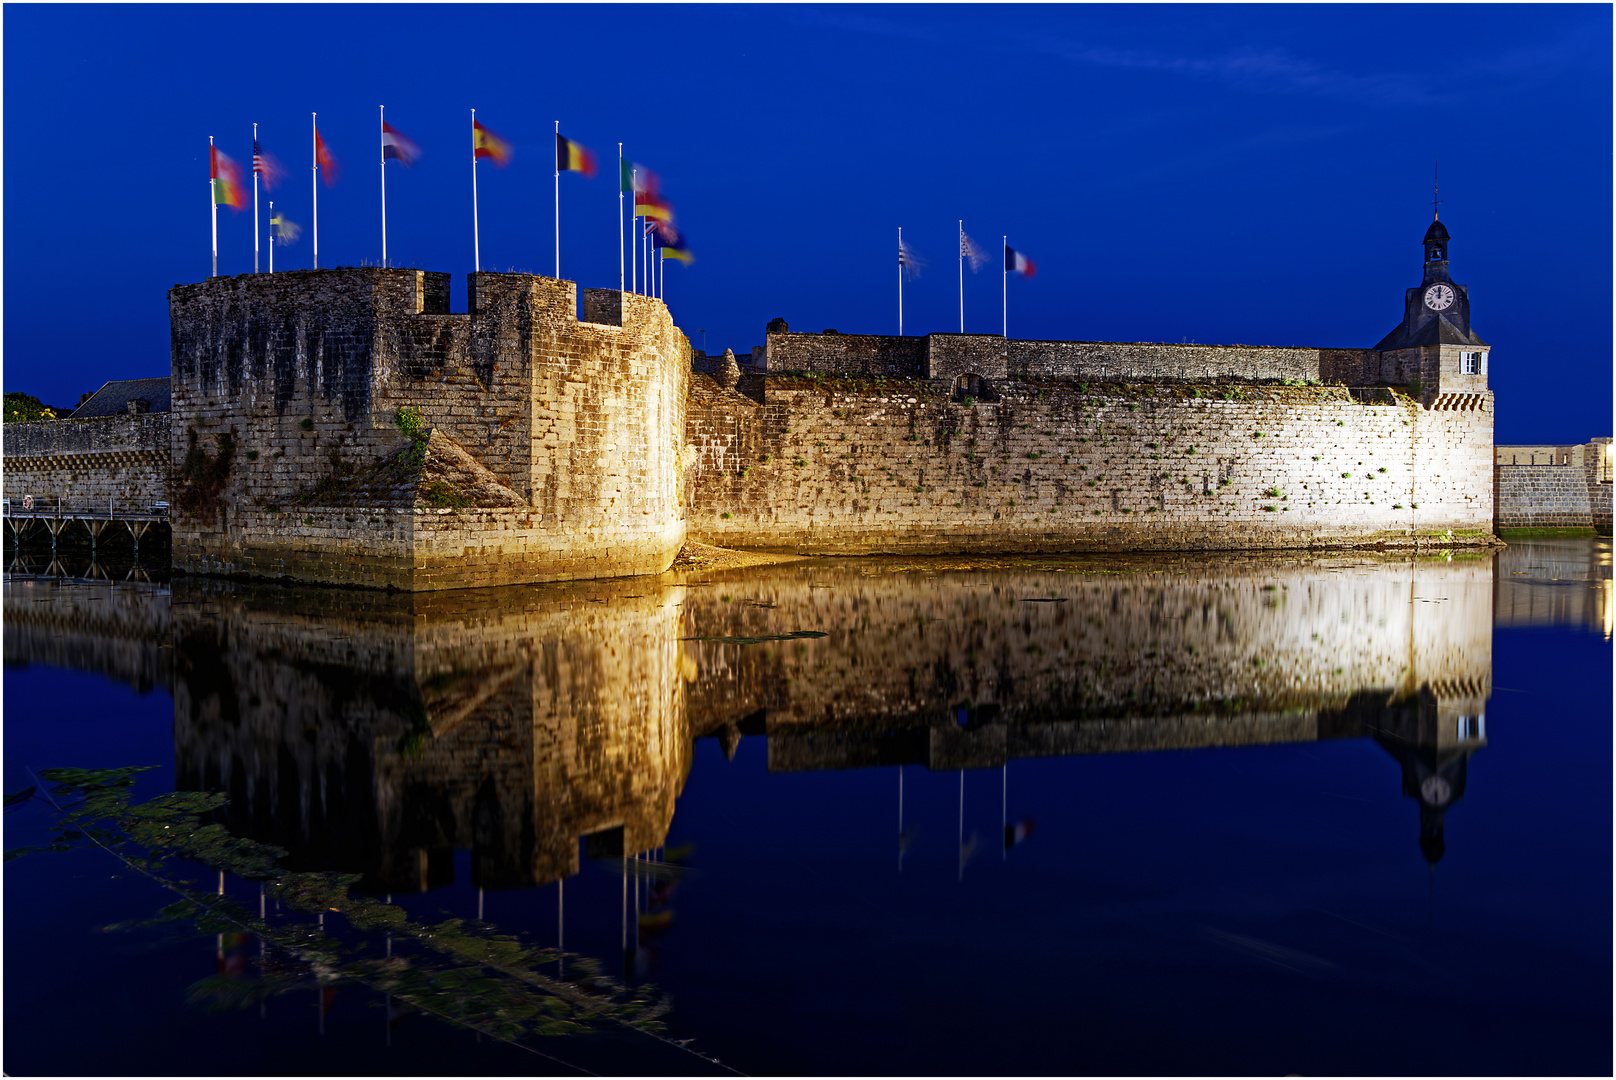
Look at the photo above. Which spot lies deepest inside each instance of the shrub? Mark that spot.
(307, 423)
(252, 455)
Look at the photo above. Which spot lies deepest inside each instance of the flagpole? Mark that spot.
(634, 241)
(381, 113)
(476, 249)
(558, 200)
(213, 204)
(255, 198)
(900, 285)
(619, 217)
(314, 183)
(272, 238)
(1004, 286)
(962, 274)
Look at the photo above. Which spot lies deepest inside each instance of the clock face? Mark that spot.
(1439, 298)
(1435, 791)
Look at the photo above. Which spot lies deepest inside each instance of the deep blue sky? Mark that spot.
(1258, 175)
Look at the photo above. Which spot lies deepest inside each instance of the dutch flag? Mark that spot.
(396, 146)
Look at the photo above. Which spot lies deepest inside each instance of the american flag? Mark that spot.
(265, 166)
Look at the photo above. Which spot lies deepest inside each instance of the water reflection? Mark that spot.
(542, 725)
(1557, 583)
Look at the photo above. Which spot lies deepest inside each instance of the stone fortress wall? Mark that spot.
(121, 461)
(955, 443)
(558, 416)
(1561, 486)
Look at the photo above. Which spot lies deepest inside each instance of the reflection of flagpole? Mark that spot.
(1004, 802)
(962, 826)
(900, 819)
(255, 198)
(476, 249)
(561, 927)
(213, 201)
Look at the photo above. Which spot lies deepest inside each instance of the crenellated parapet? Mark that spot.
(344, 426)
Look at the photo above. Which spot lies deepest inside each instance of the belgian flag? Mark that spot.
(571, 157)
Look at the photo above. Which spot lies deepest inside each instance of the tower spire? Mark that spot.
(1435, 189)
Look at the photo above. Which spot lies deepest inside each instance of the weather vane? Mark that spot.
(1434, 190)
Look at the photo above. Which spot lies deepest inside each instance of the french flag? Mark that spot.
(396, 146)
(1017, 263)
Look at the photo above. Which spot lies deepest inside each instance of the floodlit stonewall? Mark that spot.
(287, 387)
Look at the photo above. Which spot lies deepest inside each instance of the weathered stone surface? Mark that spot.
(844, 466)
(306, 372)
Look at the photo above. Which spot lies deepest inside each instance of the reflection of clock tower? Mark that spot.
(1434, 344)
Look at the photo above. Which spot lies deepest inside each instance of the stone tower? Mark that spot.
(1434, 346)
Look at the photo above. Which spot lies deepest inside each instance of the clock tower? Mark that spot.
(1434, 346)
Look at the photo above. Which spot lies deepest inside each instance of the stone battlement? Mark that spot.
(287, 388)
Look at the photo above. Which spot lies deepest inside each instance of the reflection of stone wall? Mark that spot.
(959, 668)
(120, 631)
(1556, 583)
(380, 733)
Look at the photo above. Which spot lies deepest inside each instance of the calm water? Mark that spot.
(1047, 816)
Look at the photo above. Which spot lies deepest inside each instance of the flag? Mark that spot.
(572, 157)
(329, 170)
(649, 204)
(489, 145)
(636, 177)
(396, 146)
(907, 259)
(1017, 263)
(283, 229)
(1016, 832)
(226, 175)
(266, 166)
(972, 252)
(672, 243)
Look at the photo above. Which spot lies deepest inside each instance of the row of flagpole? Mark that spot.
(656, 233)
(1015, 262)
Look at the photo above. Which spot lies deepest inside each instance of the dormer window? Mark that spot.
(1472, 363)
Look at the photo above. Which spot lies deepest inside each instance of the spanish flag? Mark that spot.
(648, 204)
(489, 145)
(226, 176)
(571, 157)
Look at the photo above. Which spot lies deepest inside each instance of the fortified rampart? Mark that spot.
(1553, 486)
(547, 447)
(82, 464)
(973, 463)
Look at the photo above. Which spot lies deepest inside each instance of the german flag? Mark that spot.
(571, 157)
(488, 145)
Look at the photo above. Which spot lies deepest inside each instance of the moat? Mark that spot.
(1162, 814)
